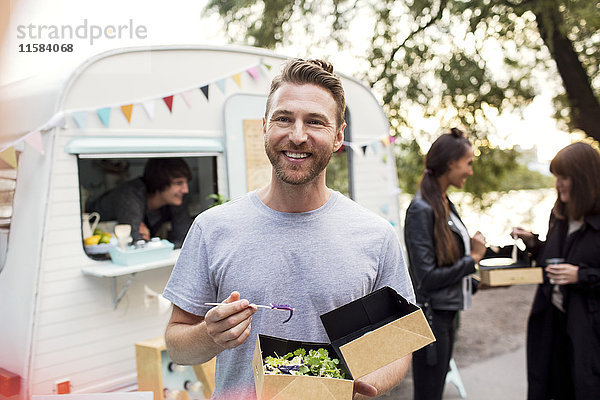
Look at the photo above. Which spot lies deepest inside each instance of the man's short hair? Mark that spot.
(317, 72)
(159, 172)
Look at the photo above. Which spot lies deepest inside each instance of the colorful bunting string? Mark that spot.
(80, 116)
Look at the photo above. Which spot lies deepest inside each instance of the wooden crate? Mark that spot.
(154, 374)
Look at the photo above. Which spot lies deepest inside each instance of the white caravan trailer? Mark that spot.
(67, 316)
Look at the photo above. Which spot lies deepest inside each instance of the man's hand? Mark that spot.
(187, 335)
(229, 325)
(365, 389)
(381, 380)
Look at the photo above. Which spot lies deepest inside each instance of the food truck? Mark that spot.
(71, 314)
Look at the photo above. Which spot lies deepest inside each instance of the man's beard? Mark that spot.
(286, 172)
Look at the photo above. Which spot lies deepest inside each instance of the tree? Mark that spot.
(445, 55)
(457, 61)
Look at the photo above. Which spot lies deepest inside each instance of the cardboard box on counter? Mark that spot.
(365, 334)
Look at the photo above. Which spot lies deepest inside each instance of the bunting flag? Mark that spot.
(238, 79)
(9, 156)
(149, 107)
(364, 149)
(221, 84)
(385, 209)
(253, 72)
(80, 118)
(104, 115)
(205, 91)
(187, 95)
(374, 147)
(169, 102)
(35, 140)
(267, 66)
(127, 109)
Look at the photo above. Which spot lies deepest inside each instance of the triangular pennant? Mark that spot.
(80, 118)
(205, 91)
(187, 95)
(385, 141)
(169, 102)
(253, 72)
(127, 109)
(385, 209)
(149, 107)
(9, 156)
(267, 66)
(364, 149)
(341, 149)
(221, 84)
(374, 147)
(35, 140)
(104, 115)
(238, 79)
(392, 139)
(355, 148)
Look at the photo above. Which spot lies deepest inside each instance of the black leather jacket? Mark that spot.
(440, 286)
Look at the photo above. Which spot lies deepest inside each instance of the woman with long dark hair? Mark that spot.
(563, 335)
(442, 257)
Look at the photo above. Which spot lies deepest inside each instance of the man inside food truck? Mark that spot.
(293, 241)
(153, 204)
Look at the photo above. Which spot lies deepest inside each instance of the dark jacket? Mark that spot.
(440, 285)
(581, 302)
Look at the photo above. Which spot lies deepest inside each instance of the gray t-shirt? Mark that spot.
(315, 261)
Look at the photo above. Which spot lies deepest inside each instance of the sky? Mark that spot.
(152, 22)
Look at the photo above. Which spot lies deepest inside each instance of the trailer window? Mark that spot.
(8, 180)
(99, 176)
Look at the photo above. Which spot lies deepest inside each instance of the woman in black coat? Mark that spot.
(563, 337)
(442, 257)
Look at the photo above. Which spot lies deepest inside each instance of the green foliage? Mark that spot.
(337, 173)
(494, 169)
(218, 198)
(409, 165)
(454, 61)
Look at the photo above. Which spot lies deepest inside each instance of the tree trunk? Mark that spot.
(585, 108)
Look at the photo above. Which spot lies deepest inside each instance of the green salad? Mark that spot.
(315, 363)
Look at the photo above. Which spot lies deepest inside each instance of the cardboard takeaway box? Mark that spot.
(510, 275)
(497, 268)
(365, 334)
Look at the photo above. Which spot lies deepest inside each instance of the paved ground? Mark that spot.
(490, 347)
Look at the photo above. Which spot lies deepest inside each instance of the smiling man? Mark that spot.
(294, 241)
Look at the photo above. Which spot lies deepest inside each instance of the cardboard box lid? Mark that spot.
(382, 320)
